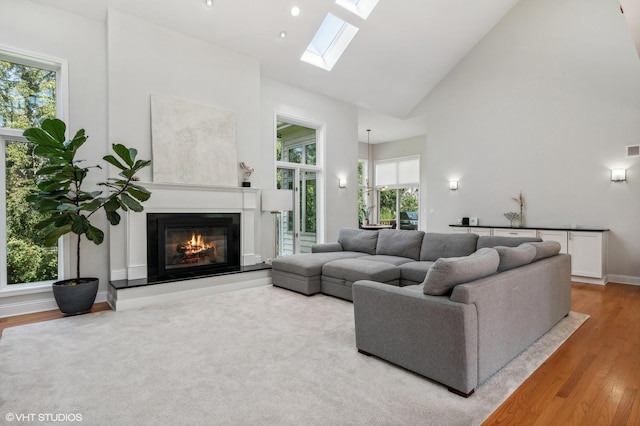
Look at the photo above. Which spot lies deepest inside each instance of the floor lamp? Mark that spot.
(277, 201)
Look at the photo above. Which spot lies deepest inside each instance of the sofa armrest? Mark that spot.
(516, 307)
(430, 335)
(326, 247)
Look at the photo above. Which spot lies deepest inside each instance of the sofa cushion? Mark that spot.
(360, 240)
(435, 245)
(403, 243)
(414, 271)
(309, 265)
(351, 270)
(545, 249)
(326, 247)
(446, 273)
(512, 257)
(492, 241)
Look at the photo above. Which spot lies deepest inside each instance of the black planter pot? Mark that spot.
(74, 299)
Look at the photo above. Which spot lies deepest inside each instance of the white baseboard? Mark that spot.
(624, 279)
(587, 280)
(37, 305)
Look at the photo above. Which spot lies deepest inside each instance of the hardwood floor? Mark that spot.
(593, 379)
(42, 316)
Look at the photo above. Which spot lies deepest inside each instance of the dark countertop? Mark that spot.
(121, 284)
(533, 228)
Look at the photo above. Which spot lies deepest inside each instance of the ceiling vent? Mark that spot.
(633, 150)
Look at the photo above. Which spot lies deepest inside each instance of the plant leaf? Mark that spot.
(128, 201)
(40, 137)
(55, 127)
(51, 239)
(80, 225)
(124, 153)
(140, 164)
(112, 205)
(139, 193)
(114, 161)
(113, 217)
(95, 235)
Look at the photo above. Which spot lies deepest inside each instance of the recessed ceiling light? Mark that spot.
(295, 11)
(283, 34)
(208, 3)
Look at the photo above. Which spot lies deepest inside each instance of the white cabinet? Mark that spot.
(513, 232)
(471, 230)
(557, 236)
(588, 249)
(459, 230)
(588, 254)
(480, 231)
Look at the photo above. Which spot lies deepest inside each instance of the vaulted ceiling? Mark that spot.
(398, 56)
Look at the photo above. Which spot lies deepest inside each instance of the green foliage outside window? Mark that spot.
(27, 96)
(408, 202)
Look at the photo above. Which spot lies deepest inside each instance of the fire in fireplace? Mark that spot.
(183, 245)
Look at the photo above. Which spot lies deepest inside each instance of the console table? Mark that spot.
(587, 247)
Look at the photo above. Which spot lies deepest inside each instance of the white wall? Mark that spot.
(544, 104)
(48, 31)
(147, 59)
(339, 120)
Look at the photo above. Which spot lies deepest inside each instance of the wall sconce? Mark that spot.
(342, 182)
(618, 175)
(453, 185)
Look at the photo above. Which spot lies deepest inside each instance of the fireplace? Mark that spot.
(185, 245)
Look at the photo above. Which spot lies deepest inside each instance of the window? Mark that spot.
(397, 183)
(362, 8)
(297, 169)
(29, 93)
(330, 41)
(399, 207)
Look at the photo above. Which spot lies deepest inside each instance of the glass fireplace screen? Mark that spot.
(187, 247)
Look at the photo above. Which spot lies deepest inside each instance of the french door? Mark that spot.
(297, 229)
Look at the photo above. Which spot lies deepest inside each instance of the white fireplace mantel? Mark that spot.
(181, 198)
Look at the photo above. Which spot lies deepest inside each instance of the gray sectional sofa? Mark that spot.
(402, 258)
(454, 308)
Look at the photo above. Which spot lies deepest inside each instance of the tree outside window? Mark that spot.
(27, 96)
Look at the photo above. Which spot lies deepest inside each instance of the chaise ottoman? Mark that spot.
(339, 275)
(301, 273)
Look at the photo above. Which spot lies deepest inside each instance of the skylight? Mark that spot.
(362, 8)
(330, 41)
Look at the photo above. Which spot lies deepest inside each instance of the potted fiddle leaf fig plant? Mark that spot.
(68, 208)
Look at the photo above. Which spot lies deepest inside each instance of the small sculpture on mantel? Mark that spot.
(247, 170)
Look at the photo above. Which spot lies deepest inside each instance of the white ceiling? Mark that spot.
(401, 52)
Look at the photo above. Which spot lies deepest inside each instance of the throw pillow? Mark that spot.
(447, 273)
(512, 257)
(545, 249)
(494, 241)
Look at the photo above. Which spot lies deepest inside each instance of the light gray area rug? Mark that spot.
(261, 356)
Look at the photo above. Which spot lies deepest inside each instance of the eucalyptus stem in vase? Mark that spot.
(520, 201)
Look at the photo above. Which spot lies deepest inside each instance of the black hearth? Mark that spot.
(183, 245)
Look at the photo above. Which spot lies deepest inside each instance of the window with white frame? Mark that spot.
(29, 92)
(397, 183)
